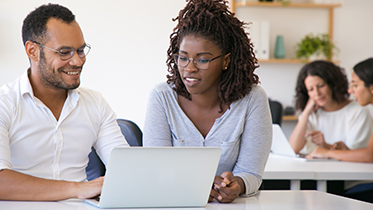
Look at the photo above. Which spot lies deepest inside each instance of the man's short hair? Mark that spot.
(34, 25)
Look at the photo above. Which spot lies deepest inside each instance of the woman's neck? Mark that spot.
(335, 106)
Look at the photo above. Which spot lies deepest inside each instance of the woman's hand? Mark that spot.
(311, 106)
(225, 189)
(318, 138)
(318, 152)
(339, 146)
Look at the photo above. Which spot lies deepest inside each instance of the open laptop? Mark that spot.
(281, 146)
(139, 177)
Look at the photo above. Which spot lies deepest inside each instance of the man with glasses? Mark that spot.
(47, 124)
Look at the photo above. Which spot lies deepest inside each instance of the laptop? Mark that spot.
(281, 146)
(141, 177)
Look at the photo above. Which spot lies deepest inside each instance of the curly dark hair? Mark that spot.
(364, 70)
(211, 19)
(334, 76)
(34, 25)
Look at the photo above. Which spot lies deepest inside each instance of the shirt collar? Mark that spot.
(26, 87)
(25, 84)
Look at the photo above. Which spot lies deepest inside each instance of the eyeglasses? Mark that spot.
(199, 62)
(67, 52)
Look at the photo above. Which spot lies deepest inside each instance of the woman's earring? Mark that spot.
(225, 68)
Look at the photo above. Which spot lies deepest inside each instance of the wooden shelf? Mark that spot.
(289, 61)
(330, 8)
(274, 60)
(279, 4)
(290, 118)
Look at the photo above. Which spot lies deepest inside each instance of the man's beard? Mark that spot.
(50, 78)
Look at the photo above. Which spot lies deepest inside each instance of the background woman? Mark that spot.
(328, 116)
(211, 98)
(362, 89)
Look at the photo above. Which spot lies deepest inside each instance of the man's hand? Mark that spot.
(225, 189)
(89, 189)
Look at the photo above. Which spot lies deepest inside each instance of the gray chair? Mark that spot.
(131, 133)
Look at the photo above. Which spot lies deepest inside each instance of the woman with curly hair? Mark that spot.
(362, 88)
(328, 116)
(211, 98)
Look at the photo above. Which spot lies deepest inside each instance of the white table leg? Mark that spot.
(294, 184)
(321, 185)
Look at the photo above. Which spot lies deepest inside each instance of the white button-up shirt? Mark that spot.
(33, 142)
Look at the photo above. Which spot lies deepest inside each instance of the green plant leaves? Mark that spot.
(311, 44)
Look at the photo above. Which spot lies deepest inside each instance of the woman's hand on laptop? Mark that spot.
(89, 189)
(226, 188)
(318, 152)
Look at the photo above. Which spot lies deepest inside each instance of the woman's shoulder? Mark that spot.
(257, 92)
(354, 106)
(256, 97)
(162, 88)
(349, 111)
(164, 91)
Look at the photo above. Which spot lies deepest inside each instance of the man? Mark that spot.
(47, 124)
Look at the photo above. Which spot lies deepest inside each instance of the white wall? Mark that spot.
(129, 41)
(353, 35)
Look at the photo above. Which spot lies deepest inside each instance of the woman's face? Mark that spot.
(318, 90)
(201, 50)
(362, 94)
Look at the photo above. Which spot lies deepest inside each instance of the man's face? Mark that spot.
(54, 72)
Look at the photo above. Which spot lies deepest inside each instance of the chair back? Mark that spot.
(133, 136)
(276, 112)
(131, 132)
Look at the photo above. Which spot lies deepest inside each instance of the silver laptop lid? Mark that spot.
(159, 177)
(280, 144)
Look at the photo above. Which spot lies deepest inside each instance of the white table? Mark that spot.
(264, 200)
(286, 168)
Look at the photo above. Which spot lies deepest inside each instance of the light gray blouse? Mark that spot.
(243, 132)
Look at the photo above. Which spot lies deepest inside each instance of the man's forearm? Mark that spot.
(18, 186)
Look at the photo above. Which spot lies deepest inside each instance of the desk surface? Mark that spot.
(264, 200)
(280, 167)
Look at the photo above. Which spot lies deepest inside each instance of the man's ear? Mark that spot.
(32, 50)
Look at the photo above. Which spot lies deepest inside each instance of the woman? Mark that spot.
(211, 98)
(362, 89)
(328, 116)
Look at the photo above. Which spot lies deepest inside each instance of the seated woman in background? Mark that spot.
(328, 116)
(362, 88)
(211, 98)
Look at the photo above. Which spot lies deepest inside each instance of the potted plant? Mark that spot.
(284, 2)
(312, 45)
